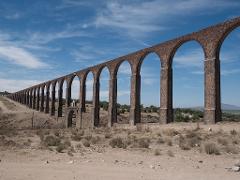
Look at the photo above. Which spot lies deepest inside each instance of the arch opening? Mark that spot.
(75, 92)
(229, 56)
(188, 82)
(150, 71)
(123, 92)
(64, 87)
(104, 96)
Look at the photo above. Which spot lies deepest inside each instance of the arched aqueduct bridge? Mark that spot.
(210, 39)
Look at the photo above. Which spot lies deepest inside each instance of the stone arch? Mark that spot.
(181, 43)
(144, 56)
(119, 63)
(225, 34)
(228, 55)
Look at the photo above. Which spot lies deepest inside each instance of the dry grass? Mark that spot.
(86, 143)
(170, 153)
(117, 142)
(9, 105)
(170, 132)
(157, 152)
(211, 148)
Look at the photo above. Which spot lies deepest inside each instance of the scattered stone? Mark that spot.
(152, 166)
(210, 129)
(71, 162)
(237, 163)
(235, 168)
(141, 162)
(47, 162)
(200, 161)
(116, 161)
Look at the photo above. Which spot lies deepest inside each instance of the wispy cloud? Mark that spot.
(13, 85)
(192, 58)
(226, 72)
(13, 16)
(20, 57)
(140, 18)
(46, 37)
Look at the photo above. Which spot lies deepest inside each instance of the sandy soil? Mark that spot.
(102, 162)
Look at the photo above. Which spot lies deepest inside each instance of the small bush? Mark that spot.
(157, 152)
(222, 141)
(78, 146)
(160, 141)
(231, 149)
(169, 142)
(57, 133)
(183, 144)
(108, 135)
(170, 153)
(170, 132)
(86, 143)
(211, 148)
(51, 141)
(88, 137)
(76, 137)
(67, 143)
(95, 139)
(60, 148)
(233, 132)
(117, 142)
(143, 143)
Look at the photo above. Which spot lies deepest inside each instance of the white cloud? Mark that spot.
(226, 72)
(20, 56)
(13, 16)
(192, 58)
(140, 18)
(13, 85)
(46, 37)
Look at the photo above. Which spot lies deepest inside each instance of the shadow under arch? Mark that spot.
(187, 62)
(71, 118)
(123, 105)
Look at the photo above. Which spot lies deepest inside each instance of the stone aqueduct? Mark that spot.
(210, 39)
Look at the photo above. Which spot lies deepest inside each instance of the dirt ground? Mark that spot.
(165, 155)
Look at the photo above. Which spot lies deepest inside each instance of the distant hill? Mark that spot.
(230, 107)
(4, 93)
(224, 107)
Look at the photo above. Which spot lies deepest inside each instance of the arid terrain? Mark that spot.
(34, 146)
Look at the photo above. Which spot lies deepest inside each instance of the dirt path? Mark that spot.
(114, 164)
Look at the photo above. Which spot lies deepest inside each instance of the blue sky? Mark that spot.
(41, 40)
